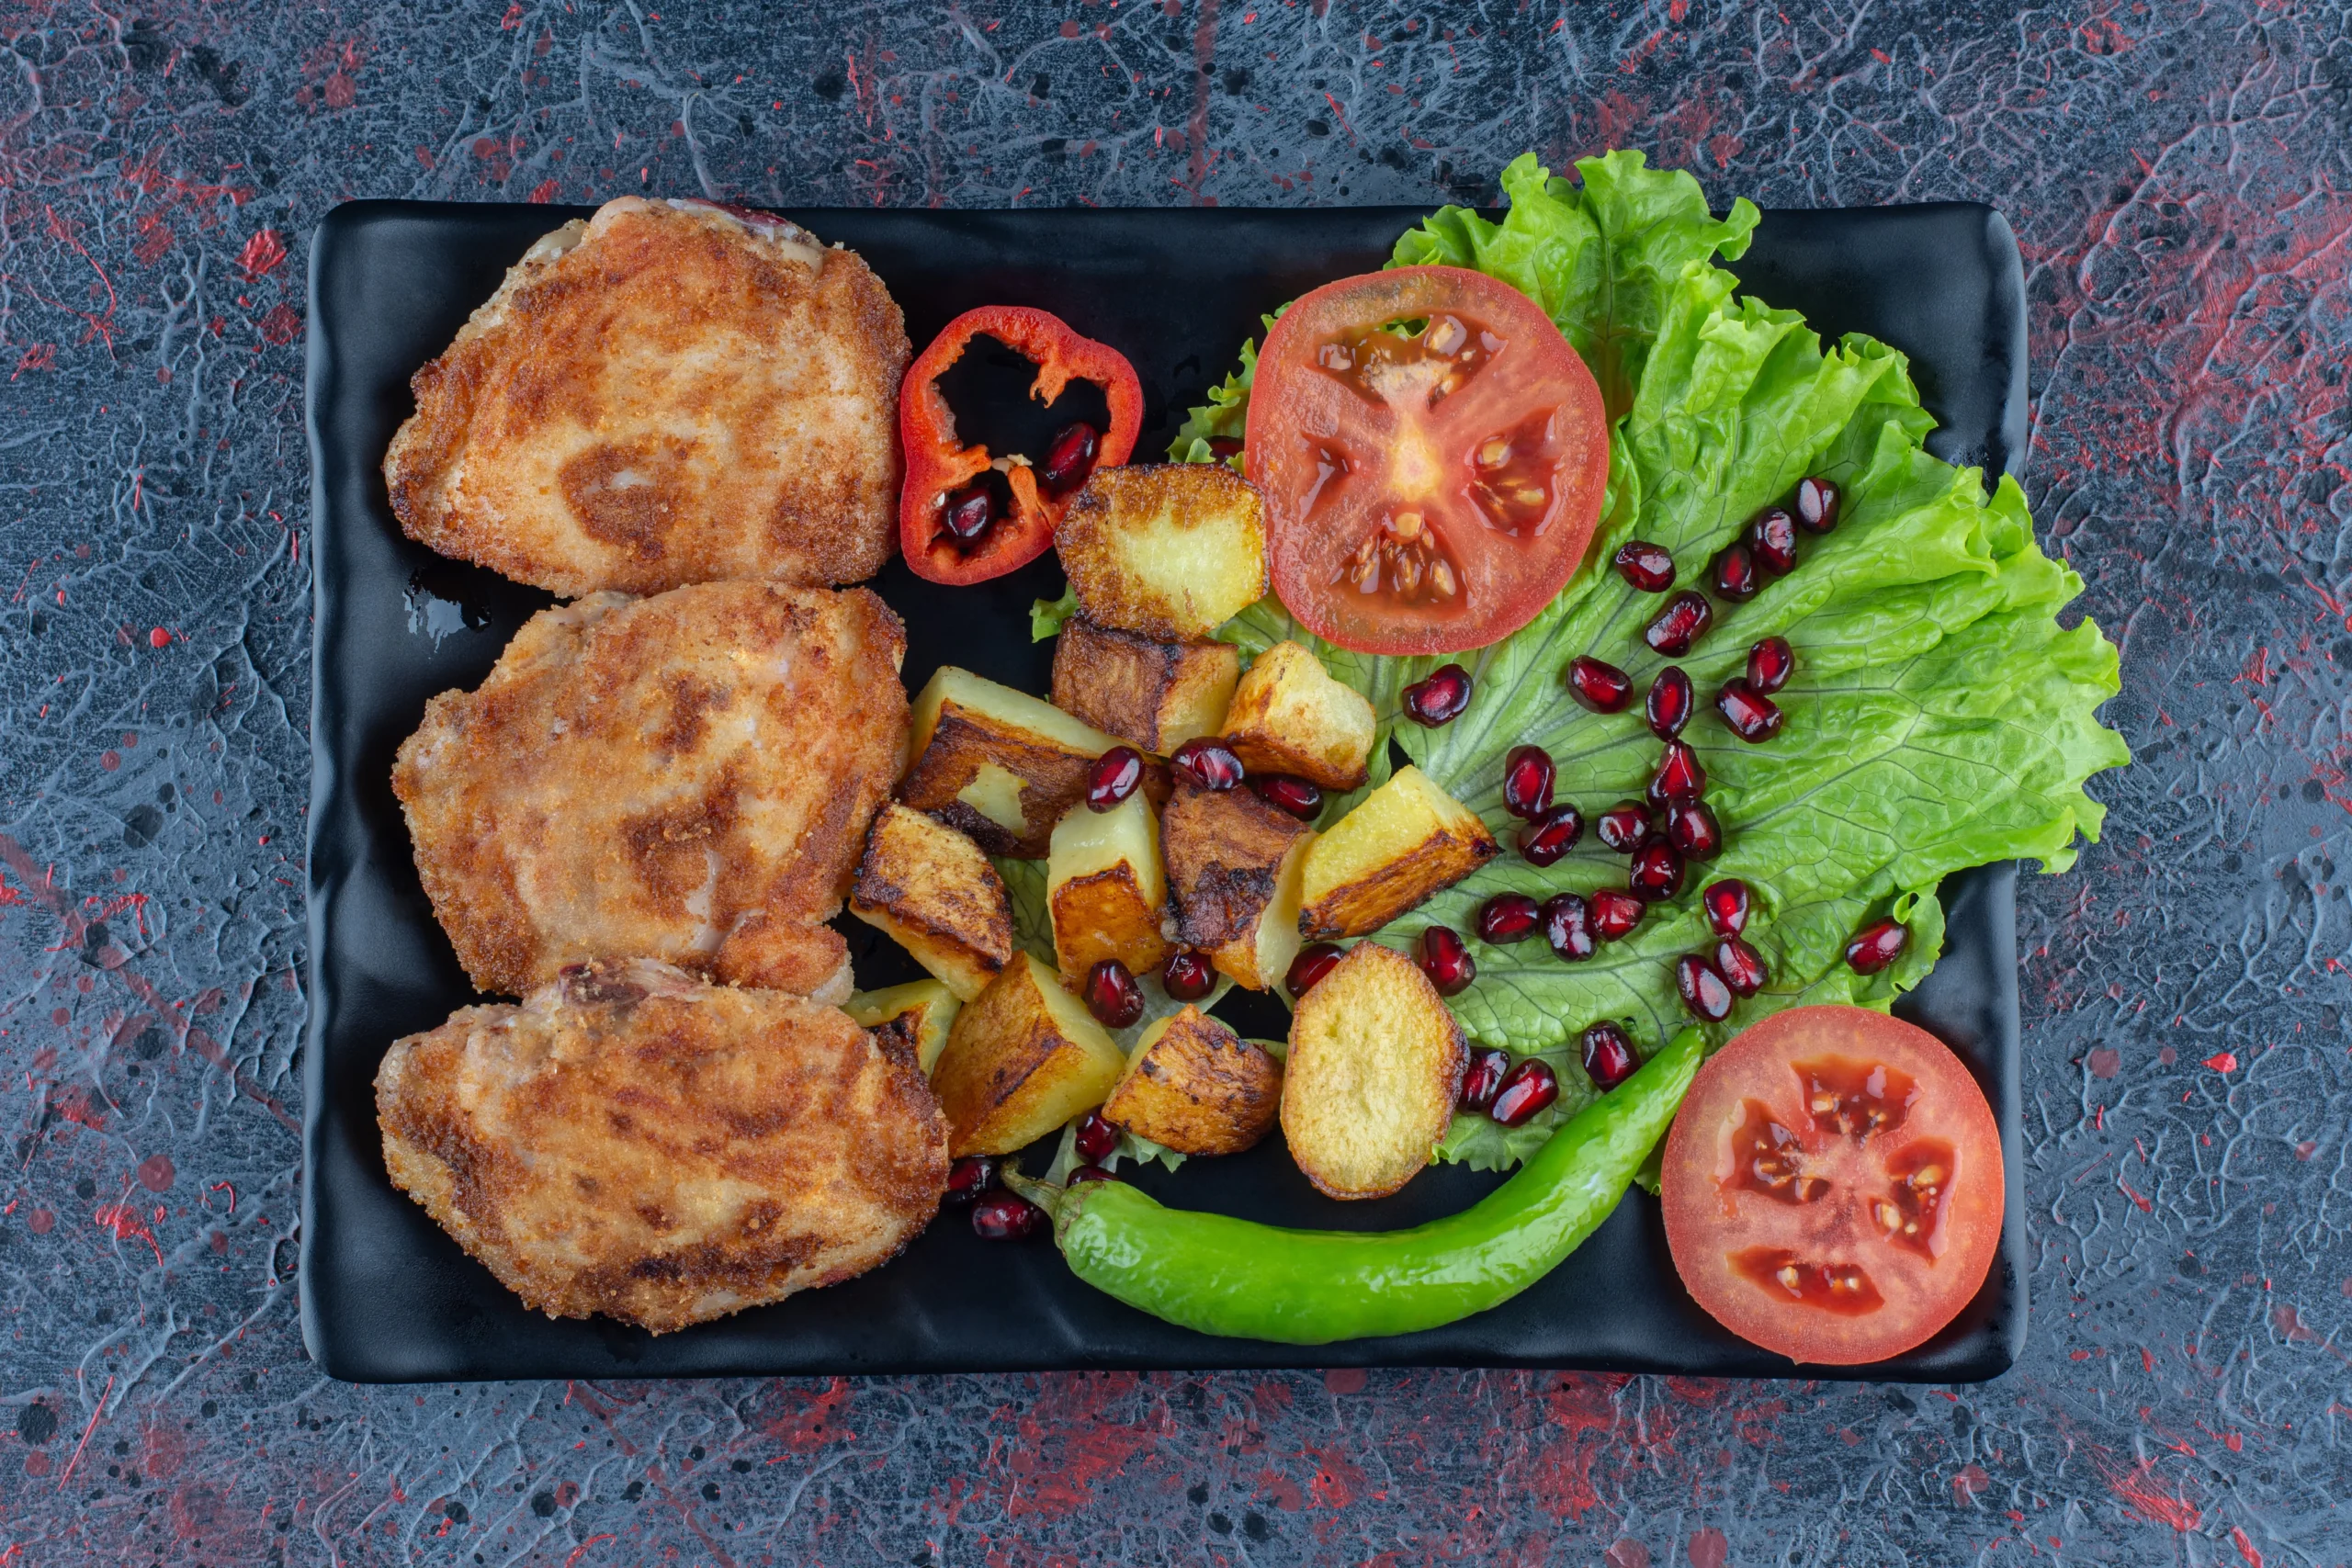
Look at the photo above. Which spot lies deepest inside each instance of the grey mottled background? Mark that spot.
(2181, 179)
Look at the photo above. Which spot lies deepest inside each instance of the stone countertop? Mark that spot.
(2180, 179)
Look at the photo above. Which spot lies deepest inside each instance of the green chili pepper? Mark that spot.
(1235, 1277)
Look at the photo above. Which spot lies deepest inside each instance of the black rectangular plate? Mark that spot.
(388, 1297)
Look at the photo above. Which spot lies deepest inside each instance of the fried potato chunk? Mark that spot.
(1375, 1065)
(1107, 888)
(1172, 550)
(995, 763)
(1402, 843)
(1288, 716)
(633, 1143)
(1194, 1086)
(1020, 1061)
(1153, 695)
(1235, 864)
(930, 889)
(687, 777)
(916, 1015)
(669, 392)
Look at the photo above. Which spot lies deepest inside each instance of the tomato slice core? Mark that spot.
(1432, 453)
(1834, 1186)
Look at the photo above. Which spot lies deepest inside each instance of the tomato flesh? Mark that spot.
(1432, 453)
(1834, 1186)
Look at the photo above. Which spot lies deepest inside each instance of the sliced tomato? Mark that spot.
(1428, 490)
(1833, 1186)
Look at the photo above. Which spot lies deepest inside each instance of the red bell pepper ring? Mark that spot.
(939, 464)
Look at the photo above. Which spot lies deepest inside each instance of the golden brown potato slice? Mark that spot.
(1288, 716)
(1194, 1086)
(1375, 1065)
(998, 765)
(930, 889)
(917, 1015)
(1020, 1061)
(1107, 888)
(1172, 550)
(1153, 695)
(1235, 863)
(1402, 843)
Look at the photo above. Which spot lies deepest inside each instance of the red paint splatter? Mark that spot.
(282, 325)
(2245, 1548)
(159, 637)
(1197, 132)
(581, 1549)
(1708, 1549)
(263, 253)
(2222, 1061)
(2105, 1062)
(812, 1419)
(156, 1173)
(126, 1221)
(2135, 1488)
(1969, 1483)
(93, 1427)
(42, 1221)
(1344, 1379)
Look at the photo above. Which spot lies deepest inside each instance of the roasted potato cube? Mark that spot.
(1402, 843)
(916, 1015)
(1288, 716)
(1194, 1086)
(1375, 1065)
(1153, 695)
(1234, 864)
(930, 889)
(996, 763)
(1107, 888)
(1019, 1061)
(1172, 550)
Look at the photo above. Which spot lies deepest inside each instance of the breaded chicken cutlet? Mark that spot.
(669, 392)
(686, 777)
(632, 1142)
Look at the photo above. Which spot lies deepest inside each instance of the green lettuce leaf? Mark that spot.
(1940, 716)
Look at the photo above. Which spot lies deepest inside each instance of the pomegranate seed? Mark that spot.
(1439, 698)
(1875, 946)
(1445, 960)
(1005, 1216)
(1208, 763)
(1608, 1058)
(1096, 1136)
(1568, 926)
(1527, 782)
(1769, 665)
(1752, 715)
(1741, 967)
(1678, 775)
(1070, 459)
(1551, 835)
(1526, 1090)
(1657, 871)
(967, 1179)
(1615, 913)
(1668, 706)
(1313, 960)
(1684, 621)
(1291, 794)
(1646, 566)
(1624, 826)
(1188, 976)
(1772, 540)
(1736, 578)
(1508, 917)
(1482, 1078)
(1603, 688)
(1112, 994)
(1726, 905)
(1089, 1173)
(969, 513)
(1224, 447)
(1115, 776)
(1703, 991)
(1692, 828)
(1817, 505)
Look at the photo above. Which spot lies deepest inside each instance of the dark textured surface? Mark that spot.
(2181, 181)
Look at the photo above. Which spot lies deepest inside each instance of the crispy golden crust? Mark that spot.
(1225, 853)
(687, 777)
(1198, 1087)
(1153, 695)
(668, 394)
(1375, 1067)
(633, 1143)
